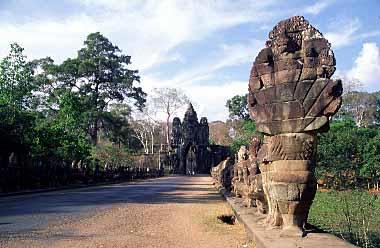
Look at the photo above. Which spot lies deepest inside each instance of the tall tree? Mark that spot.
(169, 101)
(238, 107)
(16, 86)
(16, 82)
(99, 75)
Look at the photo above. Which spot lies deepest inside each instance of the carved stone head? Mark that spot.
(290, 89)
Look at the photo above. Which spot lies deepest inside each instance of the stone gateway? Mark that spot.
(190, 145)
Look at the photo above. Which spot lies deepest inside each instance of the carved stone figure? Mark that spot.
(247, 182)
(291, 98)
(223, 173)
(240, 172)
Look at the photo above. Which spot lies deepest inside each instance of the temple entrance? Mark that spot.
(191, 161)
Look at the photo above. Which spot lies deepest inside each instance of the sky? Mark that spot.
(204, 47)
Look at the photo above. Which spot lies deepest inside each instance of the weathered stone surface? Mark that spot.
(293, 58)
(267, 80)
(255, 83)
(287, 64)
(291, 98)
(308, 74)
(190, 151)
(302, 89)
(299, 147)
(265, 237)
(287, 76)
(291, 125)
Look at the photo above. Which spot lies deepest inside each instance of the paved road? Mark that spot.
(175, 211)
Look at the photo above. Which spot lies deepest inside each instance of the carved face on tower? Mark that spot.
(290, 88)
(204, 121)
(190, 125)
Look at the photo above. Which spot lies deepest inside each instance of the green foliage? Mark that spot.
(371, 159)
(15, 80)
(111, 157)
(244, 134)
(349, 215)
(97, 76)
(238, 107)
(345, 154)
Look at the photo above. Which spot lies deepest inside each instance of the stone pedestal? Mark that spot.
(288, 179)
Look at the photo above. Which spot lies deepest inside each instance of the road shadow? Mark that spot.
(174, 189)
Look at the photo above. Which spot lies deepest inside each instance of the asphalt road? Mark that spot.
(22, 214)
(162, 201)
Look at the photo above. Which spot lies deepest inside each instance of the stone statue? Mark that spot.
(291, 98)
(223, 173)
(247, 181)
(240, 172)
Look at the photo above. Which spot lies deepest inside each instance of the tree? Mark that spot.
(116, 124)
(340, 153)
(219, 133)
(168, 101)
(362, 107)
(244, 131)
(16, 85)
(238, 107)
(15, 79)
(371, 162)
(99, 75)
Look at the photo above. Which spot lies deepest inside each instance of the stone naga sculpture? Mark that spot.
(222, 173)
(291, 98)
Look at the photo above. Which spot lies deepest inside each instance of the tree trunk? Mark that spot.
(94, 133)
(167, 131)
(152, 139)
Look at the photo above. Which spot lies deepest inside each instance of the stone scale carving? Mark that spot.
(291, 98)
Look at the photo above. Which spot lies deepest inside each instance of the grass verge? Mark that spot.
(353, 216)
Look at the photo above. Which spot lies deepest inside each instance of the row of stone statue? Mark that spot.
(284, 198)
(242, 177)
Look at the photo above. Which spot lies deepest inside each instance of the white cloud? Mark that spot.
(147, 30)
(227, 55)
(343, 32)
(346, 32)
(319, 6)
(367, 67)
(150, 31)
(59, 39)
(211, 99)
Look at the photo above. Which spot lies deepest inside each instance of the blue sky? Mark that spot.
(204, 47)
